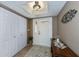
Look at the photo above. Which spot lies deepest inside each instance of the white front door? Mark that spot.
(42, 31)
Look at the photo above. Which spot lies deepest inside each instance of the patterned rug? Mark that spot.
(38, 51)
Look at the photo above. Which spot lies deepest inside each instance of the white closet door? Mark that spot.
(12, 33)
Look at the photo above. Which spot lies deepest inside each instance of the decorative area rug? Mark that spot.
(39, 51)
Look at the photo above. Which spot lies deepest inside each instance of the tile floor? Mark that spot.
(34, 51)
(38, 51)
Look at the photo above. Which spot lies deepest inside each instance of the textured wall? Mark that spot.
(30, 28)
(70, 32)
(54, 26)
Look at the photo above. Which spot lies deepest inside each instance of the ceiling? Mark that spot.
(53, 9)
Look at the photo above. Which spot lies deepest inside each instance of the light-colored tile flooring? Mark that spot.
(23, 52)
(34, 51)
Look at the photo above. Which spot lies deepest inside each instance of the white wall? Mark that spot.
(70, 32)
(13, 34)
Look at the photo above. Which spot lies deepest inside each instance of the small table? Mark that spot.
(57, 52)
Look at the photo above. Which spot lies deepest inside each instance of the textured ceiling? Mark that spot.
(54, 7)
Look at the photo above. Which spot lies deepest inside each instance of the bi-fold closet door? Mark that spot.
(13, 33)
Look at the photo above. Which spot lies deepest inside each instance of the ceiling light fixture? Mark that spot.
(36, 6)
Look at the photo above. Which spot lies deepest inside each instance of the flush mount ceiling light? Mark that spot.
(36, 7)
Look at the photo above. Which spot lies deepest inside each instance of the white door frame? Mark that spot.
(35, 42)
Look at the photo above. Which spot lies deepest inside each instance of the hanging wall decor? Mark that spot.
(68, 16)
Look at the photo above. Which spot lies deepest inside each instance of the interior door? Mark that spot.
(42, 31)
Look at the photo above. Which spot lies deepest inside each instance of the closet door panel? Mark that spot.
(12, 33)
